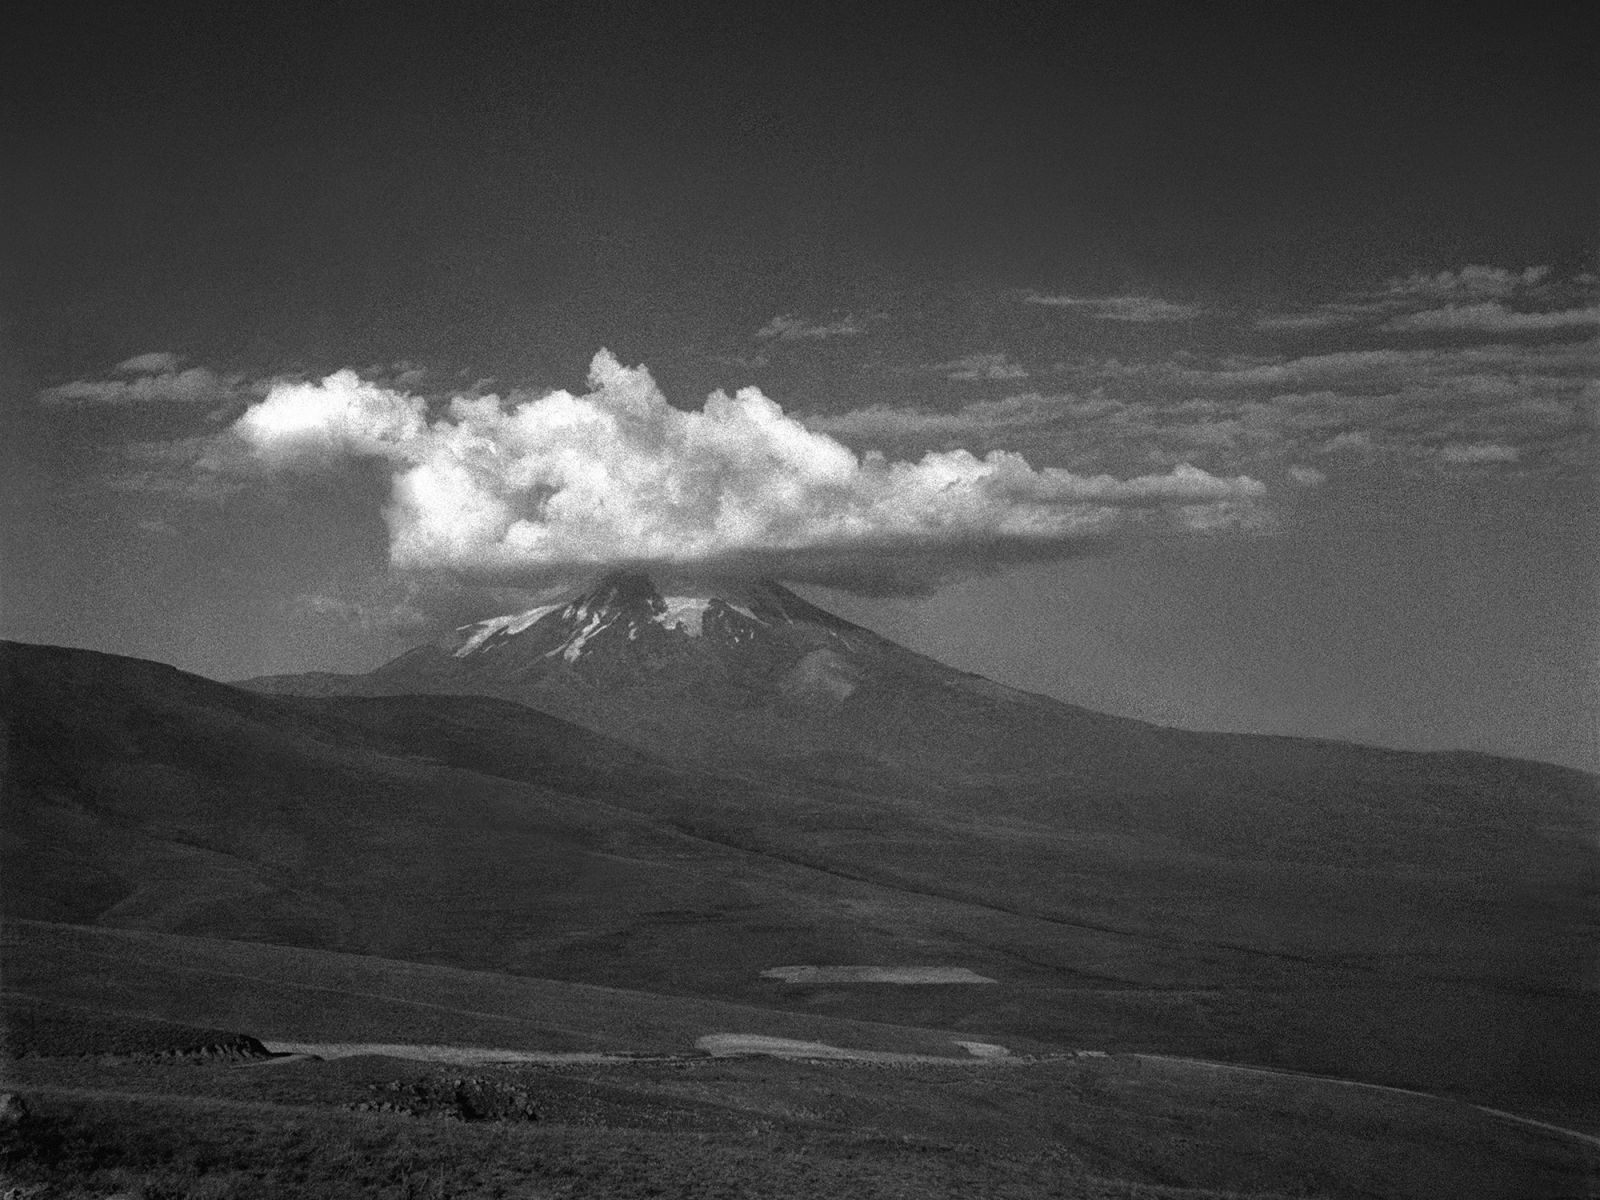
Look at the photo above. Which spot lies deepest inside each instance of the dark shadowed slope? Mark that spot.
(1419, 919)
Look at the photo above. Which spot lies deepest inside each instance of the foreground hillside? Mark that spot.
(751, 1127)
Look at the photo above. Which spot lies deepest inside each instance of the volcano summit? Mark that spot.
(745, 669)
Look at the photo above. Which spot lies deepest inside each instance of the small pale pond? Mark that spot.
(901, 975)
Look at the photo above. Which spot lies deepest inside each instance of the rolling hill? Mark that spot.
(673, 793)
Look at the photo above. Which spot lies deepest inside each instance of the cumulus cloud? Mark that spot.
(312, 424)
(1120, 308)
(532, 490)
(1307, 476)
(795, 329)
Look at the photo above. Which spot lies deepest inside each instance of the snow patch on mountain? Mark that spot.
(511, 624)
(684, 612)
(573, 646)
(688, 612)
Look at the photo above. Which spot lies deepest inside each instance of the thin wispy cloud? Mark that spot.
(205, 468)
(789, 328)
(1479, 452)
(982, 368)
(145, 380)
(1143, 309)
(885, 422)
(1472, 281)
(1490, 316)
(158, 362)
(1254, 415)
(1473, 299)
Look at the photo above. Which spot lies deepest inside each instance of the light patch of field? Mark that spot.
(984, 1049)
(723, 1045)
(899, 975)
(718, 1045)
(461, 1056)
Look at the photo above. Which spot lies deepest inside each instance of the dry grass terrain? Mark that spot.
(756, 1127)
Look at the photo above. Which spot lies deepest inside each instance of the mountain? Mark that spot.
(744, 674)
(678, 790)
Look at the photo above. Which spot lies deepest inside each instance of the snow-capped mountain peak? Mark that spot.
(712, 668)
(628, 607)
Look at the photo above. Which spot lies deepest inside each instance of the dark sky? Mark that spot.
(1289, 244)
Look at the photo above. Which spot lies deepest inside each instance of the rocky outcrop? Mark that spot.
(468, 1098)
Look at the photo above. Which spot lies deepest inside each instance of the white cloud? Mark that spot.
(1256, 415)
(159, 362)
(1490, 316)
(910, 422)
(562, 484)
(162, 385)
(793, 329)
(1120, 308)
(1470, 299)
(1307, 476)
(1470, 281)
(305, 423)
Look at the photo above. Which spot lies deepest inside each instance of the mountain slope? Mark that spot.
(739, 674)
(757, 681)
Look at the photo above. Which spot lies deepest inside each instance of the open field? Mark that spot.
(639, 1094)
